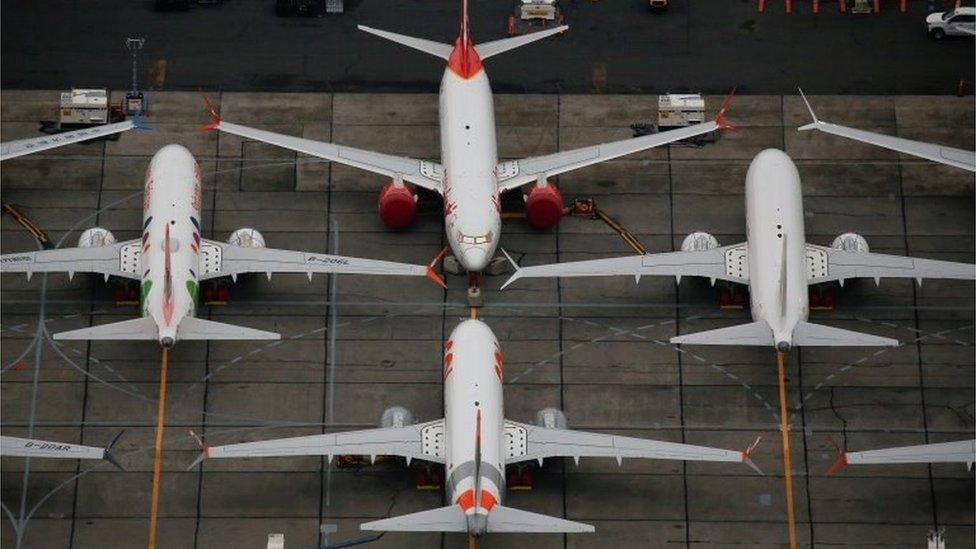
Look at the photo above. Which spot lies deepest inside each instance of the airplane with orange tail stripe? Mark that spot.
(171, 259)
(469, 177)
(475, 442)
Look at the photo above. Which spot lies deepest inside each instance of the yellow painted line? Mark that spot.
(784, 429)
(158, 448)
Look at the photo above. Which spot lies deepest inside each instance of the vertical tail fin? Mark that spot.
(782, 279)
(465, 32)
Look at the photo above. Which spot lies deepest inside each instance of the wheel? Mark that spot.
(938, 34)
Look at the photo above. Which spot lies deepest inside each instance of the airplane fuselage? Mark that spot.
(472, 211)
(776, 242)
(170, 256)
(474, 422)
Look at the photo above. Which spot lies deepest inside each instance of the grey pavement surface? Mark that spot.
(613, 46)
(595, 348)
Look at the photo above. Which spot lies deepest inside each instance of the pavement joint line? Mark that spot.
(876, 354)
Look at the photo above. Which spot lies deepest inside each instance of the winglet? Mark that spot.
(204, 451)
(515, 276)
(748, 451)
(841, 460)
(214, 117)
(813, 115)
(108, 454)
(432, 275)
(720, 117)
(138, 124)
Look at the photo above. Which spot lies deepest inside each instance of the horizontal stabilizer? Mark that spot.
(813, 335)
(755, 333)
(443, 519)
(436, 49)
(489, 49)
(507, 519)
(198, 328)
(143, 328)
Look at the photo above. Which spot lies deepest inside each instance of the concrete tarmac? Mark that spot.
(595, 348)
(702, 46)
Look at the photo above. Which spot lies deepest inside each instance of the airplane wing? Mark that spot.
(120, 259)
(20, 147)
(420, 441)
(949, 156)
(725, 263)
(531, 442)
(28, 447)
(960, 451)
(221, 259)
(515, 173)
(826, 264)
(399, 168)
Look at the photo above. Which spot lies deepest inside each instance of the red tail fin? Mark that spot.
(464, 60)
(168, 281)
(465, 36)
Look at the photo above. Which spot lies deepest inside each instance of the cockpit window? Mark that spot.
(483, 239)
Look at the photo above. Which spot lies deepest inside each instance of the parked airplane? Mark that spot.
(775, 261)
(475, 442)
(171, 259)
(469, 178)
(949, 156)
(29, 447)
(20, 147)
(960, 451)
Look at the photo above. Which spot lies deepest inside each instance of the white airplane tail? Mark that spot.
(499, 519)
(464, 43)
(144, 328)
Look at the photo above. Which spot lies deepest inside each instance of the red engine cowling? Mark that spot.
(398, 206)
(544, 206)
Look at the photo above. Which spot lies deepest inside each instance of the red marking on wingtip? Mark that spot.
(435, 278)
(838, 465)
(720, 117)
(431, 274)
(748, 451)
(841, 460)
(20, 365)
(214, 117)
(206, 450)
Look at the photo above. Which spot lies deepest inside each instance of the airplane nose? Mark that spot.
(474, 259)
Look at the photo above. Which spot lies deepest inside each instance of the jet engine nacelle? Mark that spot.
(396, 416)
(543, 206)
(699, 242)
(398, 205)
(851, 242)
(550, 418)
(95, 237)
(246, 238)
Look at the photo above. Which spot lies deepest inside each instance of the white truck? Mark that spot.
(677, 110)
(84, 106)
(533, 15)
